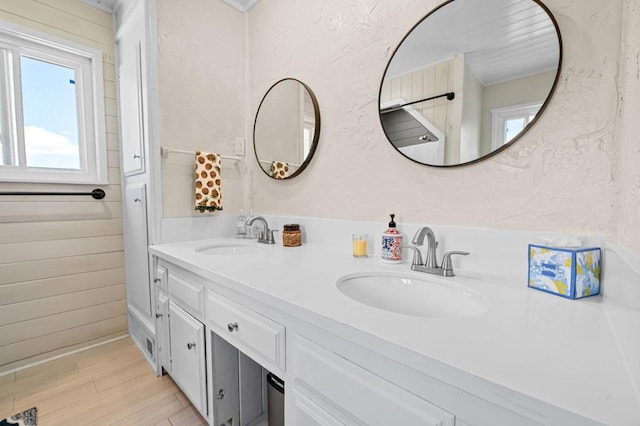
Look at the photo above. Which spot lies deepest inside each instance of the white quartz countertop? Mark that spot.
(560, 351)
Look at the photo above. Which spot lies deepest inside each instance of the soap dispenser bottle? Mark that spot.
(391, 243)
(241, 225)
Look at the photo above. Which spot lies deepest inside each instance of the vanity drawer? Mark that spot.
(366, 397)
(251, 332)
(188, 293)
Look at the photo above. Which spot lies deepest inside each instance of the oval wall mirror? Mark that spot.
(470, 79)
(286, 129)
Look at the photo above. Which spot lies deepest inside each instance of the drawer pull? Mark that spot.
(156, 280)
(232, 327)
(191, 345)
(158, 315)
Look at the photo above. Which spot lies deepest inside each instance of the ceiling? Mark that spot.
(501, 40)
(109, 5)
(242, 5)
(106, 5)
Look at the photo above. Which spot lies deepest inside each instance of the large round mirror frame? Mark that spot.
(517, 137)
(316, 132)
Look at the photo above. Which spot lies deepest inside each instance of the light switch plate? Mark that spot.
(240, 146)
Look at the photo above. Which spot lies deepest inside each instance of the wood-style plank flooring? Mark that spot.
(111, 384)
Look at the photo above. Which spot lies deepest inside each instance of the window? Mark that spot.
(508, 122)
(51, 109)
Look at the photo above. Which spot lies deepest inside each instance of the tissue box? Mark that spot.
(568, 272)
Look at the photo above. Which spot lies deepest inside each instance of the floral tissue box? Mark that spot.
(573, 273)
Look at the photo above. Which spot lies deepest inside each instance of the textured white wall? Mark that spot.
(559, 177)
(628, 203)
(200, 72)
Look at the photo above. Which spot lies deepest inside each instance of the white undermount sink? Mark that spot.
(228, 249)
(411, 295)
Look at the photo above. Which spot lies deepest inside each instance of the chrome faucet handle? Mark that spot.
(447, 265)
(417, 256)
(270, 237)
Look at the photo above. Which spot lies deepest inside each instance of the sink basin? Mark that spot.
(411, 295)
(227, 249)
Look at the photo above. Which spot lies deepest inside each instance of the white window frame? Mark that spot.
(87, 62)
(500, 115)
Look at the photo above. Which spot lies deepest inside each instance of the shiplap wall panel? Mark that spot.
(112, 126)
(34, 290)
(19, 312)
(112, 141)
(114, 175)
(25, 349)
(110, 93)
(113, 157)
(432, 81)
(38, 250)
(29, 271)
(82, 10)
(109, 73)
(61, 257)
(42, 211)
(50, 19)
(111, 109)
(43, 231)
(38, 327)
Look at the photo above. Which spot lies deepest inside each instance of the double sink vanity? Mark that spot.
(360, 342)
(357, 341)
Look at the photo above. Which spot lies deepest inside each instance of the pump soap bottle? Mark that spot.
(391, 242)
(241, 225)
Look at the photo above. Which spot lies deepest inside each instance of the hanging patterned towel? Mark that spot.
(208, 182)
(279, 169)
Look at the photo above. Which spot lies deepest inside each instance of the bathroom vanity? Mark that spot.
(230, 310)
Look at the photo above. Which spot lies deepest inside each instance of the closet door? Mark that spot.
(136, 255)
(132, 123)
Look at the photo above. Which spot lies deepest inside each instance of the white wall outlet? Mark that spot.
(240, 146)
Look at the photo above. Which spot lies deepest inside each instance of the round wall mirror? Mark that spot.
(470, 79)
(286, 129)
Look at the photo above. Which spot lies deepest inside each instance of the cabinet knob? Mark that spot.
(158, 315)
(220, 394)
(232, 326)
(191, 345)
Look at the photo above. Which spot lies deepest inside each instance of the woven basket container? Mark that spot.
(291, 236)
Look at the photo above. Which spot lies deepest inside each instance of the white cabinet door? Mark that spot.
(188, 356)
(162, 331)
(131, 99)
(135, 246)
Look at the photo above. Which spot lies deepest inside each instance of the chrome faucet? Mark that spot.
(265, 235)
(430, 264)
(430, 261)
